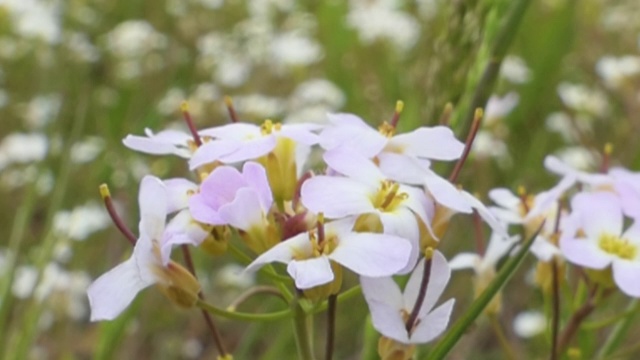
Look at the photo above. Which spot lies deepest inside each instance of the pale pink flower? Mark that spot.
(599, 217)
(228, 197)
(390, 307)
(163, 143)
(309, 261)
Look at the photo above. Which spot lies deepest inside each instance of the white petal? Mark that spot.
(336, 197)
(152, 199)
(403, 223)
(505, 198)
(438, 279)
(372, 255)
(388, 321)
(354, 165)
(402, 168)
(599, 212)
(256, 176)
(626, 274)
(497, 248)
(465, 261)
(548, 199)
(150, 146)
(178, 190)
(438, 143)
(434, 324)
(213, 151)
(383, 290)
(245, 211)
(486, 215)
(311, 272)
(233, 131)
(251, 149)
(300, 133)
(543, 249)
(446, 193)
(112, 292)
(584, 252)
(283, 252)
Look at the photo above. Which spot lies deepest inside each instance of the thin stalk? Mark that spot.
(270, 290)
(243, 316)
(555, 315)
(574, 322)
(477, 119)
(115, 218)
(498, 51)
(301, 331)
(331, 325)
(502, 339)
(620, 330)
(421, 294)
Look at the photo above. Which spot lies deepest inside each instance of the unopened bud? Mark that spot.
(389, 349)
(179, 285)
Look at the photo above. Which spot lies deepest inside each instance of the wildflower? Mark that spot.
(149, 264)
(390, 307)
(163, 143)
(596, 239)
(309, 255)
(242, 200)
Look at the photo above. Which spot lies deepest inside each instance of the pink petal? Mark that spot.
(434, 324)
(256, 177)
(626, 274)
(221, 185)
(152, 199)
(311, 272)
(203, 212)
(336, 197)
(112, 292)
(245, 211)
(438, 143)
(372, 255)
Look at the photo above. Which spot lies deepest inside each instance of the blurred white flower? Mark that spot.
(561, 123)
(35, 19)
(500, 106)
(294, 49)
(317, 92)
(486, 145)
(41, 110)
(528, 324)
(581, 98)
(232, 71)
(82, 221)
(134, 38)
(192, 349)
(170, 102)
(22, 148)
(87, 150)
(515, 70)
(258, 105)
(24, 281)
(578, 158)
(81, 47)
(616, 70)
(379, 20)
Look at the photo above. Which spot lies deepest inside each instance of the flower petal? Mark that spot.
(245, 211)
(403, 168)
(283, 252)
(438, 143)
(599, 213)
(256, 177)
(388, 321)
(626, 274)
(465, 261)
(434, 324)
(152, 199)
(383, 290)
(505, 198)
(311, 272)
(212, 151)
(354, 166)
(446, 193)
(372, 255)
(178, 191)
(438, 279)
(151, 146)
(251, 149)
(112, 292)
(584, 252)
(335, 197)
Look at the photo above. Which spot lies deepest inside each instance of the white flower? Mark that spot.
(308, 257)
(390, 308)
(528, 324)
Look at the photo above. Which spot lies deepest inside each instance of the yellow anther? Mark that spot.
(428, 253)
(522, 191)
(184, 106)
(320, 218)
(228, 101)
(614, 245)
(608, 148)
(477, 116)
(387, 129)
(104, 191)
(399, 106)
(268, 126)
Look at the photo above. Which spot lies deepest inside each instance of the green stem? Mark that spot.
(301, 331)
(331, 326)
(620, 330)
(502, 339)
(237, 315)
(477, 307)
(503, 41)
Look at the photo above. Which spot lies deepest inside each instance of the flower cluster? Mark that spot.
(375, 206)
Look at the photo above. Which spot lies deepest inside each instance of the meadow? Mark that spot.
(553, 77)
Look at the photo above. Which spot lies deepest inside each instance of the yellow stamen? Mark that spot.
(387, 129)
(608, 149)
(184, 106)
(104, 191)
(399, 106)
(269, 127)
(614, 245)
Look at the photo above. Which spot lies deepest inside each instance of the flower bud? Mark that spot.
(217, 241)
(389, 349)
(179, 285)
(261, 239)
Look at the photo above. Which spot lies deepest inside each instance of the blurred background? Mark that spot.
(77, 76)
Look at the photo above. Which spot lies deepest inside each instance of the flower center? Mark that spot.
(269, 127)
(387, 129)
(612, 244)
(388, 198)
